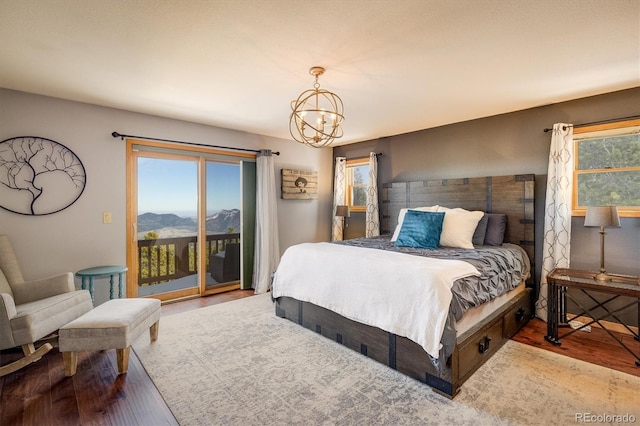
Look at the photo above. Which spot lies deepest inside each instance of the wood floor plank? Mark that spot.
(64, 405)
(12, 399)
(135, 398)
(90, 390)
(37, 394)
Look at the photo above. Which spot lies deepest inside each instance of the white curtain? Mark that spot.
(339, 197)
(372, 218)
(267, 249)
(557, 213)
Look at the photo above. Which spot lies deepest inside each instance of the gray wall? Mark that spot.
(507, 144)
(76, 238)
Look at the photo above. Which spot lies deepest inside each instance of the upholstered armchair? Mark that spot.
(30, 311)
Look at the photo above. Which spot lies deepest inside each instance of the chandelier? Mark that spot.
(317, 115)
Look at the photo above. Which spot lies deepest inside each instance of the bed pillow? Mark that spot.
(480, 232)
(420, 229)
(458, 227)
(401, 218)
(496, 227)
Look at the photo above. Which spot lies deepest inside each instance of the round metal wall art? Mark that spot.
(39, 176)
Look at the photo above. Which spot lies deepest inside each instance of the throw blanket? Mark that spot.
(399, 293)
(501, 269)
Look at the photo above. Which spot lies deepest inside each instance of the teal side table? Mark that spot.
(101, 272)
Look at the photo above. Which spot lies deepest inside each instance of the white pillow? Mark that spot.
(432, 209)
(458, 227)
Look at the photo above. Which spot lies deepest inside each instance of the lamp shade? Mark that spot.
(604, 216)
(342, 211)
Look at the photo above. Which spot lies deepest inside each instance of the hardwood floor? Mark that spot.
(40, 394)
(596, 347)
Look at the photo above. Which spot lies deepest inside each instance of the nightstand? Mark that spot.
(620, 285)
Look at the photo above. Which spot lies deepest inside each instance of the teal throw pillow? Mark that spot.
(420, 229)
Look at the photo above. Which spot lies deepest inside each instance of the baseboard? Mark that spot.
(611, 326)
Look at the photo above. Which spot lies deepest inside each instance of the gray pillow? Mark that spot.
(480, 232)
(496, 227)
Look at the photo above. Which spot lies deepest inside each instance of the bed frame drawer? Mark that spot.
(480, 348)
(478, 345)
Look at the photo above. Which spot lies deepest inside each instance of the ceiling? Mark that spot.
(398, 65)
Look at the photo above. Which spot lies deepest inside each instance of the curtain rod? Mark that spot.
(612, 120)
(378, 154)
(118, 135)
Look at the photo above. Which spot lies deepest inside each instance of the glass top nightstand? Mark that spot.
(620, 285)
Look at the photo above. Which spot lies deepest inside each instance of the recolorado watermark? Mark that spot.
(605, 418)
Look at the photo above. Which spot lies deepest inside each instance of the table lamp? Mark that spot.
(604, 217)
(343, 211)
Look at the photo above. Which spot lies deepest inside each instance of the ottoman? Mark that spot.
(115, 324)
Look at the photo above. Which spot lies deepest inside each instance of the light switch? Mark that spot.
(106, 217)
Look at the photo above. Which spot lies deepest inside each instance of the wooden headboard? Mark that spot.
(512, 195)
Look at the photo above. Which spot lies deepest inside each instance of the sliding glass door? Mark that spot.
(222, 224)
(185, 220)
(167, 225)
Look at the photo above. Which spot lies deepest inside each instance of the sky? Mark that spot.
(171, 186)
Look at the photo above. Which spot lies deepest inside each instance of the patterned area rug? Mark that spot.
(237, 363)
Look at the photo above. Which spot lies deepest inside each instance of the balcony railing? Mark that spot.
(167, 259)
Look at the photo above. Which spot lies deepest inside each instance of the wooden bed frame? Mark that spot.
(512, 195)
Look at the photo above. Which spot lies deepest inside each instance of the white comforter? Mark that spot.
(400, 293)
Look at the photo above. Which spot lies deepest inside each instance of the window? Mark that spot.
(607, 167)
(357, 179)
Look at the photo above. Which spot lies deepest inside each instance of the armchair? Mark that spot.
(225, 266)
(30, 311)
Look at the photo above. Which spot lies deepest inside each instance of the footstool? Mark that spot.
(115, 324)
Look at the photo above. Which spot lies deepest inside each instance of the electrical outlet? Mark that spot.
(106, 217)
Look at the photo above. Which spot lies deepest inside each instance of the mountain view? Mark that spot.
(169, 225)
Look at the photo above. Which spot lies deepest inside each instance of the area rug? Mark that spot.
(238, 364)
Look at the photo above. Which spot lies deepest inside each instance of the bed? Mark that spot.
(469, 326)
